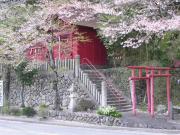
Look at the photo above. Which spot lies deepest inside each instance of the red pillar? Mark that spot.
(152, 92)
(133, 92)
(148, 95)
(168, 92)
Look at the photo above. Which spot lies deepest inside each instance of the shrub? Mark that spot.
(5, 109)
(43, 111)
(15, 111)
(31, 2)
(84, 105)
(28, 111)
(109, 111)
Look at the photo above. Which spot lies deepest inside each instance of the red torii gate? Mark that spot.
(151, 74)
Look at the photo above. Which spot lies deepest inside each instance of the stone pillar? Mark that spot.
(94, 90)
(77, 65)
(171, 113)
(104, 94)
(73, 97)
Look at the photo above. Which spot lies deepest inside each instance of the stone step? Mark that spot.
(95, 77)
(125, 105)
(124, 110)
(116, 101)
(94, 74)
(111, 91)
(114, 95)
(96, 81)
(114, 98)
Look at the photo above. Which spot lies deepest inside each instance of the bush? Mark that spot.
(109, 111)
(28, 111)
(5, 109)
(43, 111)
(15, 111)
(84, 105)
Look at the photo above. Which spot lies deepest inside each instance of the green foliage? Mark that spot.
(84, 105)
(28, 111)
(15, 111)
(31, 2)
(109, 111)
(164, 50)
(2, 40)
(175, 87)
(167, 49)
(16, 16)
(24, 76)
(143, 107)
(43, 111)
(43, 106)
(5, 109)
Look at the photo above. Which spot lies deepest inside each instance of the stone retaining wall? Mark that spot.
(90, 118)
(42, 91)
(125, 121)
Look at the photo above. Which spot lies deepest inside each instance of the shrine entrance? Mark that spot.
(150, 74)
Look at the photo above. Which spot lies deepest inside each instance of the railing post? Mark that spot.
(94, 90)
(104, 93)
(77, 65)
(85, 79)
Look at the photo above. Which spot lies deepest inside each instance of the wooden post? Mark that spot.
(152, 92)
(77, 65)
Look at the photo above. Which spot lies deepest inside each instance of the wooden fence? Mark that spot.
(66, 64)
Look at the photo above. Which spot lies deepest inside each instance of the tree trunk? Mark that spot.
(55, 81)
(6, 79)
(57, 98)
(22, 96)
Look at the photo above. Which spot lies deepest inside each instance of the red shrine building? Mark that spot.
(72, 39)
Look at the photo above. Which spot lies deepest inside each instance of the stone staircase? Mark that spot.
(114, 96)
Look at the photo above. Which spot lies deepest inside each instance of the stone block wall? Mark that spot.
(41, 92)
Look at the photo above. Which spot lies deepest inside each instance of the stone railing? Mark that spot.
(91, 87)
(100, 96)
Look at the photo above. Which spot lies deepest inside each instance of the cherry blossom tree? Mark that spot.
(17, 35)
(120, 18)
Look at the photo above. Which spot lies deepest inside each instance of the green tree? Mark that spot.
(25, 77)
